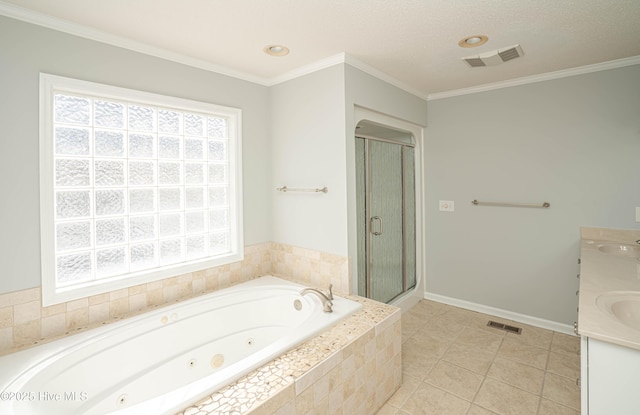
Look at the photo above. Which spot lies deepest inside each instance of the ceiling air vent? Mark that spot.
(494, 57)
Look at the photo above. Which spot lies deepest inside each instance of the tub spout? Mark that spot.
(326, 300)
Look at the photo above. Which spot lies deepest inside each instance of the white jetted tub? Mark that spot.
(161, 361)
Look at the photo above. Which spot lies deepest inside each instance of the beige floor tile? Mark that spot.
(469, 357)
(442, 328)
(481, 339)
(478, 410)
(387, 410)
(505, 399)
(517, 374)
(429, 400)
(416, 362)
(551, 408)
(411, 323)
(455, 380)
(533, 336)
(564, 365)
(524, 353)
(561, 390)
(409, 385)
(565, 344)
(429, 342)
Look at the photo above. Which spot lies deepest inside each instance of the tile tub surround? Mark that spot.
(601, 273)
(24, 322)
(352, 368)
(454, 364)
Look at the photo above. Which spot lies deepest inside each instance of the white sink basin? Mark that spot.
(624, 306)
(618, 249)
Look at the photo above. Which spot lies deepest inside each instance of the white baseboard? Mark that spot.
(522, 318)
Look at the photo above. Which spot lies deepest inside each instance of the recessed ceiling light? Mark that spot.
(276, 50)
(473, 41)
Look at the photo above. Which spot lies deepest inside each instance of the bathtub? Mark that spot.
(161, 361)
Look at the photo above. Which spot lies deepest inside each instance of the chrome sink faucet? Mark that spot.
(326, 299)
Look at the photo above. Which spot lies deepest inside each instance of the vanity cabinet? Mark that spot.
(610, 378)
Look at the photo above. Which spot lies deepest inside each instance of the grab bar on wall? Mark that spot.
(293, 189)
(528, 205)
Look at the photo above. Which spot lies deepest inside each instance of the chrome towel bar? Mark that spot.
(293, 189)
(528, 205)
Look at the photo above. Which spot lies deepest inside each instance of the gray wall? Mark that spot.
(25, 51)
(574, 142)
(307, 128)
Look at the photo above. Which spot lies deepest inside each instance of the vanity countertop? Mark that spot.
(605, 274)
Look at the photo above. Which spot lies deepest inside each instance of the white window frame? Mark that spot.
(52, 292)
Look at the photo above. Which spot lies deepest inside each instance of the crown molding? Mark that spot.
(307, 69)
(30, 16)
(603, 66)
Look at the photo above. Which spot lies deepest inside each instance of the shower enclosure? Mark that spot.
(386, 211)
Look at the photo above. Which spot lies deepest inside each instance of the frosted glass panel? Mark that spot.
(72, 141)
(110, 262)
(142, 227)
(218, 243)
(195, 222)
(74, 267)
(217, 173)
(142, 200)
(169, 173)
(72, 110)
(196, 246)
(169, 147)
(193, 149)
(73, 235)
(109, 143)
(109, 173)
(72, 204)
(169, 122)
(194, 173)
(170, 224)
(218, 218)
(217, 196)
(109, 202)
(72, 172)
(194, 197)
(386, 202)
(109, 114)
(110, 231)
(170, 198)
(141, 145)
(143, 256)
(142, 173)
(171, 251)
(217, 127)
(194, 125)
(142, 118)
(217, 150)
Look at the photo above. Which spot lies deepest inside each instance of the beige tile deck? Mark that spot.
(454, 364)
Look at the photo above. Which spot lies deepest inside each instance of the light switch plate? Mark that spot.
(446, 206)
(638, 214)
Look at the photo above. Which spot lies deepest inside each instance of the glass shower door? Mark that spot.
(386, 225)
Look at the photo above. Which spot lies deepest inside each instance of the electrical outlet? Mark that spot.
(446, 205)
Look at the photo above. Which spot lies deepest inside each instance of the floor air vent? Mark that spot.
(505, 327)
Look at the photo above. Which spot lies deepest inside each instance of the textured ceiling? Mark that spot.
(412, 41)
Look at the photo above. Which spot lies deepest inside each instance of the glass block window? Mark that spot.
(134, 186)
